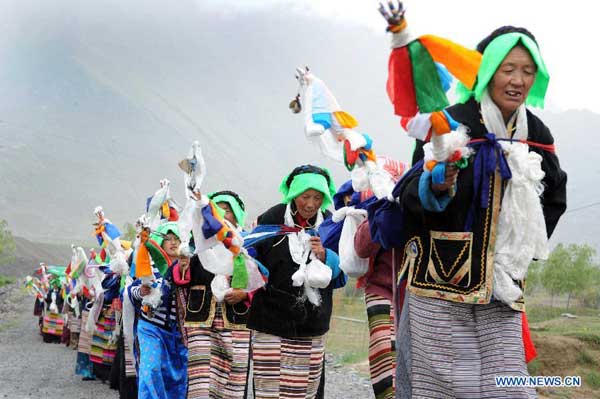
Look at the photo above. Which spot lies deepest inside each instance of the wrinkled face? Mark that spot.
(229, 215)
(512, 81)
(170, 245)
(308, 203)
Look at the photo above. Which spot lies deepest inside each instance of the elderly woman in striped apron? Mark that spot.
(472, 225)
(291, 315)
(217, 338)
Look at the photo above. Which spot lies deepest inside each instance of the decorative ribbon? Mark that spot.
(489, 157)
(546, 147)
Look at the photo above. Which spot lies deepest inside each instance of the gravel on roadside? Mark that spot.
(31, 368)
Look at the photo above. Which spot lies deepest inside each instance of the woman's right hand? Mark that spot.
(451, 177)
(145, 290)
(197, 195)
(394, 15)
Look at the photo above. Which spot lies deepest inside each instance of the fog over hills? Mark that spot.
(101, 101)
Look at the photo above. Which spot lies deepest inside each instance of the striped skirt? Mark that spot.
(53, 324)
(103, 350)
(74, 323)
(287, 368)
(218, 361)
(85, 338)
(129, 360)
(382, 345)
(457, 350)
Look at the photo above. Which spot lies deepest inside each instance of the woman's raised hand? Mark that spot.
(394, 15)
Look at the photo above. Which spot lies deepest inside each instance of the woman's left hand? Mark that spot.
(317, 248)
(235, 295)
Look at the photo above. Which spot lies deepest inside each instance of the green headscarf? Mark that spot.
(163, 230)
(236, 207)
(57, 276)
(493, 56)
(158, 254)
(305, 178)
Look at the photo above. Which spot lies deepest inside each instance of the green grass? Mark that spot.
(585, 328)
(534, 367)
(585, 359)
(6, 280)
(348, 337)
(590, 338)
(353, 357)
(8, 325)
(593, 379)
(539, 313)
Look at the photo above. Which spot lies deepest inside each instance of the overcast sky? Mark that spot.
(566, 31)
(112, 76)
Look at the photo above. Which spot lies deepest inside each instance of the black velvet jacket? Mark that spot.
(554, 199)
(448, 261)
(278, 308)
(201, 303)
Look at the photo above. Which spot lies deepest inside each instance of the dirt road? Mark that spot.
(30, 368)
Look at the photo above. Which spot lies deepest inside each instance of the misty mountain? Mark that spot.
(101, 101)
(28, 256)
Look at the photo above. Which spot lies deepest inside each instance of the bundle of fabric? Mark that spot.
(93, 284)
(332, 129)
(417, 82)
(420, 70)
(218, 243)
(104, 230)
(161, 207)
(33, 286)
(229, 259)
(149, 255)
(194, 169)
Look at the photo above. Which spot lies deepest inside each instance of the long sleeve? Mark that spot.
(554, 199)
(338, 277)
(363, 245)
(134, 294)
(178, 279)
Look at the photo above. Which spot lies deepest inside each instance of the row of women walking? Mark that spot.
(446, 252)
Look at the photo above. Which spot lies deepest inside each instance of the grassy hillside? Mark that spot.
(29, 254)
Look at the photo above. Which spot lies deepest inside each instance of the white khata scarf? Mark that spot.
(312, 273)
(521, 234)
